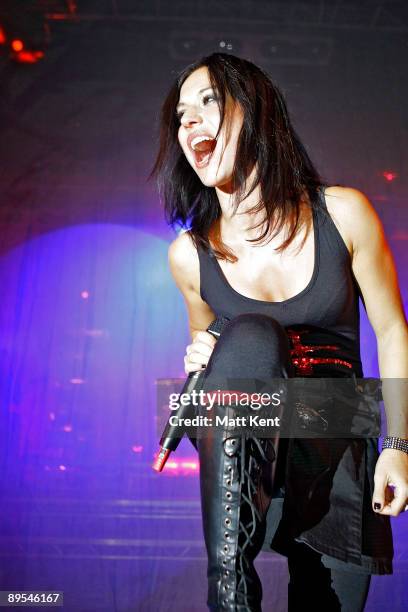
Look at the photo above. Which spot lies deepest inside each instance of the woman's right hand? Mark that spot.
(199, 352)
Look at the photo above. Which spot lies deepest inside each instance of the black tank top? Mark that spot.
(322, 321)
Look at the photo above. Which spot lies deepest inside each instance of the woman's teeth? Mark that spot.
(196, 142)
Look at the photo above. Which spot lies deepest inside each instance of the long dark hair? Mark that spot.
(285, 172)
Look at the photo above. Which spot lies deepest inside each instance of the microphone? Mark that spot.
(171, 435)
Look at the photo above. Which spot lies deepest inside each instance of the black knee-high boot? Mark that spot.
(235, 479)
(237, 471)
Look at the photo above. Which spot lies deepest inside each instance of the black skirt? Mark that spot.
(322, 497)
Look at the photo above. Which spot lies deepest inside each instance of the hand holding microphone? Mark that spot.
(200, 350)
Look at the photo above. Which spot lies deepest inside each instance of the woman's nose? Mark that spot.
(191, 117)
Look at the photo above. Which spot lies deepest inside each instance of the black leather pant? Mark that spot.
(237, 477)
(312, 585)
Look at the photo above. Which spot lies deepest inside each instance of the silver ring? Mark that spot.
(406, 508)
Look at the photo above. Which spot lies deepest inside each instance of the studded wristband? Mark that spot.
(397, 443)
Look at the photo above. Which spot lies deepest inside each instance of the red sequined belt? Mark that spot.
(304, 358)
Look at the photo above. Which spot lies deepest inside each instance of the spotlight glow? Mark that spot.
(17, 45)
(389, 176)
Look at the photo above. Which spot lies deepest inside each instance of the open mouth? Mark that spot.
(203, 150)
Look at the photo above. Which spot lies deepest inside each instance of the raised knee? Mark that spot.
(251, 345)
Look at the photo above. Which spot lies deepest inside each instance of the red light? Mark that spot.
(28, 57)
(17, 45)
(181, 467)
(389, 176)
(2, 36)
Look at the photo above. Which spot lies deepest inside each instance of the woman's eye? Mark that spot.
(209, 97)
(205, 100)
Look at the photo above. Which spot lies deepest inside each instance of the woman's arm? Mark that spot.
(185, 268)
(374, 269)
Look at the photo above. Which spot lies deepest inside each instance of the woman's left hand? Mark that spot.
(391, 482)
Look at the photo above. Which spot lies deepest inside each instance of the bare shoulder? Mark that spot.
(346, 199)
(372, 262)
(184, 263)
(185, 268)
(354, 216)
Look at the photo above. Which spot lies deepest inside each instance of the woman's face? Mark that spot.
(199, 115)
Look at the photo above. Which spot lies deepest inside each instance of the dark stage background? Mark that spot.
(89, 317)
